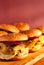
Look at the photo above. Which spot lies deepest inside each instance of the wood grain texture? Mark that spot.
(24, 61)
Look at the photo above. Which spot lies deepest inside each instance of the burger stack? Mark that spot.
(18, 40)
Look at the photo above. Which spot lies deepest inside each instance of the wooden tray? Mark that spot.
(24, 61)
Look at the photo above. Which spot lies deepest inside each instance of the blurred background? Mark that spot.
(31, 11)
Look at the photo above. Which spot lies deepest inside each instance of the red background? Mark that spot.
(31, 11)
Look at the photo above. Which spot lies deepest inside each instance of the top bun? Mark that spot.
(9, 27)
(22, 26)
(33, 33)
(41, 28)
(14, 37)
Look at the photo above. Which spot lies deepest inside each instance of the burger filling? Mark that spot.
(9, 50)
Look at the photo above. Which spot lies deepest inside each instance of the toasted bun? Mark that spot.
(41, 28)
(22, 26)
(9, 27)
(3, 33)
(14, 37)
(33, 33)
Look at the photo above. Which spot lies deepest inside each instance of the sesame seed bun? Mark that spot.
(9, 27)
(22, 26)
(14, 37)
(33, 33)
(41, 28)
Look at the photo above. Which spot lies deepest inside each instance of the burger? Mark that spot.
(34, 39)
(22, 26)
(16, 41)
(12, 46)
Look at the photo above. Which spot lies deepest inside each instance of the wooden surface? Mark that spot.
(41, 62)
(24, 61)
